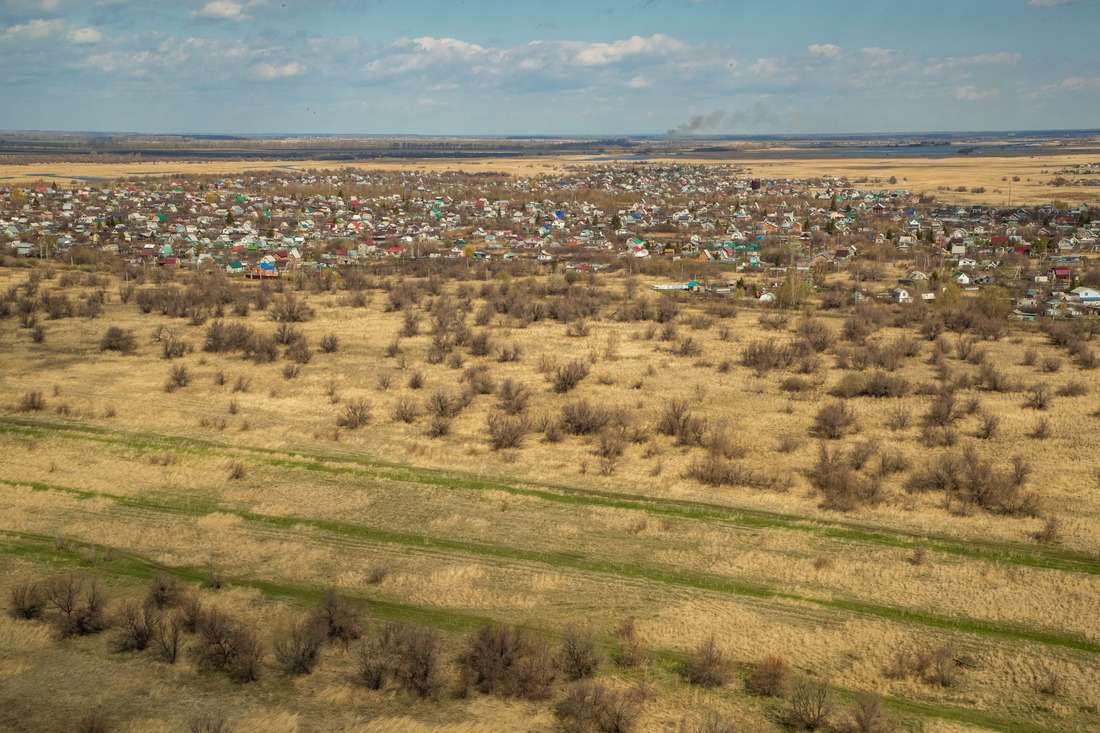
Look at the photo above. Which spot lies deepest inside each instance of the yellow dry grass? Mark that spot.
(294, 417)
(991, 172)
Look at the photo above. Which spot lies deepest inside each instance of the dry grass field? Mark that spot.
(941, 176)
(700, 497)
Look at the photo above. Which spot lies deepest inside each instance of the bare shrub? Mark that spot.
(868, 714)
(583, 418)
(1041, 430)
(288, 309)
(237, 470)
(300, 650)
(330, 343)
(1038, 397)
(834, 420)
(565, 377)
(340, 619)
(1073, 388)
(405, 410)
(810, 704)
(763, 356)
(225, 644)
(32, 401)
(630, 653)
(356, 413)
(593, 707)
(165, 591)
(513, 397)
(419, 668)
(769, 676)
(27, 600)
(81, 605)
(506, 660)
(179, 376)
(506, 431)
(416, 380)
(1051, 531)
(137, 625)
(580, 653)
(988, 426)
(118, 339)
(479, 379)
(708, 666)
(841, 488)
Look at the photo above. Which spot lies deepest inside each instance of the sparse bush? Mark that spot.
(225, 644)
(1041, 430)
(330, 343)
(763, 356)
(32, 401)
(867, 714)
(165, 591)
(1051, 531)
(580, 653)
(356, 414)
(810, 704)
(988, 427)
(566, 377)
(118, 339)
(506, 660)
(300, 650)
(179, 376)
(630, 653)
(769, 676)
(593, 707)
(1038, 397)
(27, 600)
(81, 605)
(513, 397)
(506, 431)
(583, 418)
(708, 666)
(137, 624)
(288, 309)
(405, 410)
(834, 420)
(340, 619)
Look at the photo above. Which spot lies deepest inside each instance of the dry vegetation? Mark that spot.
(451, 505)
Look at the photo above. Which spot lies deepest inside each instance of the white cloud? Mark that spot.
(825, 49)
(220, 10)
(638, 82)
(600, 54)
(1050, 3)
(269, 71)
(37, 28)
(971, 94)
(84, 35)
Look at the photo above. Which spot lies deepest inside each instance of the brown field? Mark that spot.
(990, 172)
(115, 477)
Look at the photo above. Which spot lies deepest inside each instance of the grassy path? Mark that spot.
(131, 565)
(1012, 553)
(579, 562)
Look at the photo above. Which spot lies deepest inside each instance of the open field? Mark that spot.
(989, 172)
(701, 505)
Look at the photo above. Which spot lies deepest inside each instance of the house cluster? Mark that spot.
(267, 223)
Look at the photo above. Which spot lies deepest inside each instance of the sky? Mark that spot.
(532, 67)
